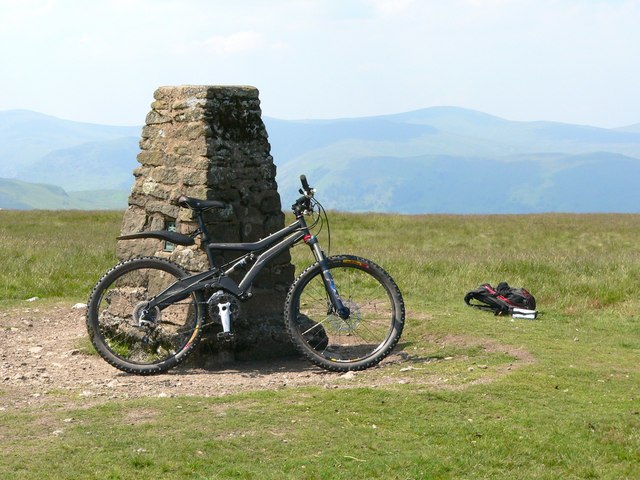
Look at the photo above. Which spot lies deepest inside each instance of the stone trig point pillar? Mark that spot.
(210, 142)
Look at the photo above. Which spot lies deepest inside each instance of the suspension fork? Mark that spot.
(327, 278)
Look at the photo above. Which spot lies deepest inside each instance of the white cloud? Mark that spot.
(236, 43)
(568, 60)
(230, 45)
(488, 3)
(392, 7)
(16, 14)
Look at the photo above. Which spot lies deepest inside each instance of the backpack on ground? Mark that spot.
(503, 300)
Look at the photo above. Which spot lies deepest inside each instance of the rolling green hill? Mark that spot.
(453, 160)
(50, 163)
(635, 128)
(95, 165)
(443, 130)
(26, 137)
(447, 184)
(439, 159)
(19, 195)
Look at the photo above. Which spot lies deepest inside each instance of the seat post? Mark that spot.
(206, 239)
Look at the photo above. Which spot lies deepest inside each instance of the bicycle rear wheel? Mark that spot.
(131, 336)
(374, 325)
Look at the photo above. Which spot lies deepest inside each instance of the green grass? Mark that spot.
(55, 254)
(571, 410)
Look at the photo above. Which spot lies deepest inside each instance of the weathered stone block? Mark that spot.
(154, 117)
(147, 157)
(210, 142)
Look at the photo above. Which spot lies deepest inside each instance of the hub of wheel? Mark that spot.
(144, 316)
(340, 326)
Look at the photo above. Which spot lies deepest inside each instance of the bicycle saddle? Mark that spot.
(198, 204)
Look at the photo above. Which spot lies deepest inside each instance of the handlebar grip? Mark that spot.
(305, 184)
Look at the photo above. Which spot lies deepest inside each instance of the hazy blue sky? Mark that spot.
(99, 61)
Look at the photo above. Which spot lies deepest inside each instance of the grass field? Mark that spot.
(571, 411)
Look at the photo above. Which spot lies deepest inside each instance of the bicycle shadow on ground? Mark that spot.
(206, 363)
(228, 364)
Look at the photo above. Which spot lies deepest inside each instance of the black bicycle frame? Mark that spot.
(265, 249)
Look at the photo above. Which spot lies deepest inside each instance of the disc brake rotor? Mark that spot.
(340, 326)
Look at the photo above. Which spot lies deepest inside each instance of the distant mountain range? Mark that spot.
(49, 163)
(435, 160)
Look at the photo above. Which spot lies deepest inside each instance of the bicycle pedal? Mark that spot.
(226, 336)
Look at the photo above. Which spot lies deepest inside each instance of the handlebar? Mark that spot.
(305, 185)
(303, 204)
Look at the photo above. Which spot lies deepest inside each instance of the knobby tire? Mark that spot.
(369, 334)
(166, 335)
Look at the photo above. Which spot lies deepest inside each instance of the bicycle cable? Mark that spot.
(324, 218)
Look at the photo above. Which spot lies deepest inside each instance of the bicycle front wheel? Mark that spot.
(131, 336)
(372, 329)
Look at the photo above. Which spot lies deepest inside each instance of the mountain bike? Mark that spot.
(146, 314)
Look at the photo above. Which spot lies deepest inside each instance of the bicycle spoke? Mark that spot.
(129, 334)
(361, 339)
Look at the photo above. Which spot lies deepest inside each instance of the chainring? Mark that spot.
(222, 297)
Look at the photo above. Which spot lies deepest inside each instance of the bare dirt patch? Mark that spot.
(45, 358)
